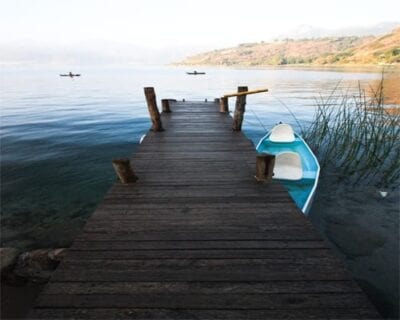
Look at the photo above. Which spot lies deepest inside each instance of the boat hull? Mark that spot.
(302, 191)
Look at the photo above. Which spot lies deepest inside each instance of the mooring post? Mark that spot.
(165, 105)
(223, 105)
(216, 100)
(153, 110)
(124, 170)
(239, 110)
(265, 167)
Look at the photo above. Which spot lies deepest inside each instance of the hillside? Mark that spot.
(381, 50)
(320, 51)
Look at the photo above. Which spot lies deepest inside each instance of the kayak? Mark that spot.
(296, 166)
(70, 75)
(195, 73)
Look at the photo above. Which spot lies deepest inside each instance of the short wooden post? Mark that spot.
(153, 110)
(124, 170)
(216, 100)
(265, 167)
(223, 105)
(165, 105)
(239, 110)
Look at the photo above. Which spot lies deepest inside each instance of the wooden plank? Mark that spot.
(251, 274)
(200, 254)
(205, 301)
(143, 313)
(199, 244)
(244, 93)
(273, 287)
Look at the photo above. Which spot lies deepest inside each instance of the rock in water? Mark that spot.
(57, 255)
(38, 265)
(8, 257)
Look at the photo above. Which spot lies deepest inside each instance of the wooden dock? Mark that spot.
(197, 237)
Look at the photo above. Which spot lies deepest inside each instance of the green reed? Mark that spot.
(357, 136)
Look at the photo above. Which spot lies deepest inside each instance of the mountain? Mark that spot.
(91, 52)
(310, 32)
(381, 50)
(320, 51)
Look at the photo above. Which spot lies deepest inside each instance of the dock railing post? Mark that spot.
(153, 110)
(223, 105)
(265, 167)
(124, 170)
(165, 106)
(239, 110)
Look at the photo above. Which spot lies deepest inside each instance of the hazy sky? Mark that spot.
(165, 22)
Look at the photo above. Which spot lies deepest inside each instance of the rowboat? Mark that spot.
(70, 75)
(295, 164)
(195, 73)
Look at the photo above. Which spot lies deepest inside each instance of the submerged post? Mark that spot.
(223, 105)
(165, 105)
(239, 110)
(124, 170)
(153, 110)
(265, 167)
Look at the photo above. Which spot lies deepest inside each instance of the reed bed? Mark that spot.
(354, 134)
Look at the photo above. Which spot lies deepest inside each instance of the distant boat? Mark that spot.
(295, 164)
(195, 73)
(70, 75)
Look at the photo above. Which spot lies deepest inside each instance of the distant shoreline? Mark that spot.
(324, 51)
(292, 66)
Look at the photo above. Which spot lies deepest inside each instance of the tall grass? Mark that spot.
(357, 136)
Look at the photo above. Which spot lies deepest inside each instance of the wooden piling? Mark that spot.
(165, 106)
(223, 105)
(265, 167)
(153, 110)
(124, 170)
(216, 100)
(239, 110)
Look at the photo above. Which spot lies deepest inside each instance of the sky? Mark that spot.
(158, 23)
(37, 32)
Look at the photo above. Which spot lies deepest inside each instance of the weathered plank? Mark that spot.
(206, 301)
(210, 314)
(272, 287)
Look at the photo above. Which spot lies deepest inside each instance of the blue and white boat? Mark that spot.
(295, 164)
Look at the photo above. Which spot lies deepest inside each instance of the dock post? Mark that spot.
(153, 110)
(265, 167)
(165, 106)
(216, 100)
(124, 170)
(223, 105)
(239, 110)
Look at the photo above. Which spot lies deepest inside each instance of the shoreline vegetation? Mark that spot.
(326, 51)
(358, 136)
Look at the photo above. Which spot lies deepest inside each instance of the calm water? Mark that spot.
(58, 136)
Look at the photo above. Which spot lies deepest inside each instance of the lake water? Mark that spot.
(58, 135)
